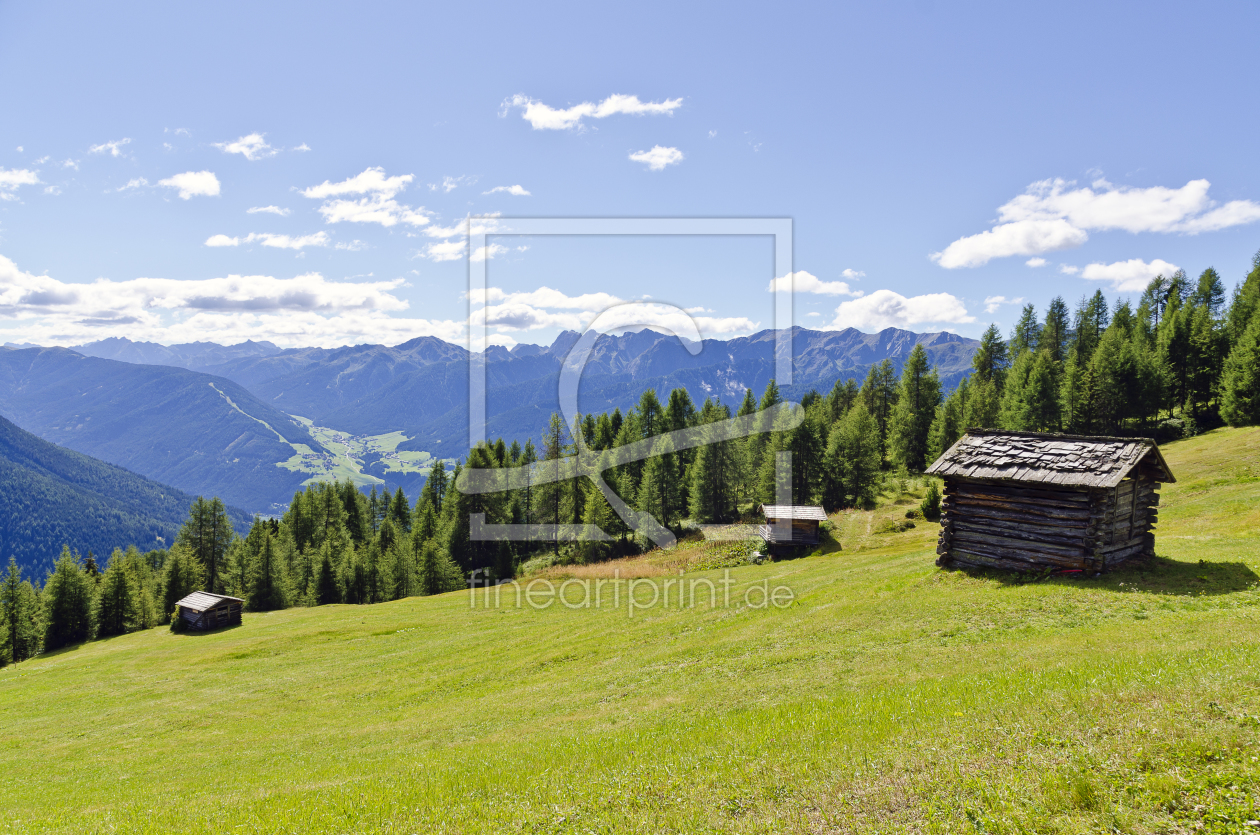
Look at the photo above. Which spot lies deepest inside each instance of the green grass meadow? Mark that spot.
(889, 696)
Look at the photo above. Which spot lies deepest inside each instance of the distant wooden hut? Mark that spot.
(790, 525)
(203, 610)
(1028, 501)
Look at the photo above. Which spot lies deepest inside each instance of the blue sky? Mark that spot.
(928, 154)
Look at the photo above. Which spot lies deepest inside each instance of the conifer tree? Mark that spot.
(268, 581)
(435, 486)
(67, 602)
(1240, 380)
(1210, 293)
(19, 617)
(115, 601)
(1246, 302)
(918, 396)
(983, 406)
(712, 497)
(1026, 333)
(843, 396)
(947, 427)
(658, 492)
(400, 510)
(880, 393)
(182, 575)
(325, 588)
(990, 360)
(208, 534)
(1056, 332)
(853, 460)
(437, 572)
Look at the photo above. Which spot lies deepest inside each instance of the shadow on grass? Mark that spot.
(1158, 575)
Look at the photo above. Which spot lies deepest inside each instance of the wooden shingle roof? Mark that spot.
(1035, 457)
(200, 601)
(789, 511)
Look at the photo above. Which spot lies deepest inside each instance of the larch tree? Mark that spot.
(918, 396)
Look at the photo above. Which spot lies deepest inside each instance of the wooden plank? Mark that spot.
(1017, 547)
(1025, 532)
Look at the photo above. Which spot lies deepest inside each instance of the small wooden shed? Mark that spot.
(203, 610)
(1028, 501)
(789, 525)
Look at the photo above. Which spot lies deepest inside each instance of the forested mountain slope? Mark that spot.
(201, 434)
(51, 496)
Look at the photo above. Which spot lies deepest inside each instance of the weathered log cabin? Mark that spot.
(790, 525)
(203, 610)
(1028, 501)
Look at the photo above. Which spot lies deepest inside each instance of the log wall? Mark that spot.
(1030, 527)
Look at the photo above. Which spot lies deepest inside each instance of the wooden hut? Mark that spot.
(203, 610)
(1028, 501)
(790, 525)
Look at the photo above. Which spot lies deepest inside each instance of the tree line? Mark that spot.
(1183, 361)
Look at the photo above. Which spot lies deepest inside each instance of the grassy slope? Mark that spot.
(891, 695)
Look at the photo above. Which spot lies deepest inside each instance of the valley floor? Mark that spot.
(887, 696)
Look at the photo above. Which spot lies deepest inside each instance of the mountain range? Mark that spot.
(51, 496)
(252, 422)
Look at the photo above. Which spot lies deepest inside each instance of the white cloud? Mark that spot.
(1051, 215)
(1068, 269)
(54, 190)
(378, 206)
(542, 117)
(114, 148)
(803, 282)
(352, 246)
(12, 179)
(887, 309)
(1026, 237)
(813, 313)
(446, 251)
(1035, 262)
(267, 239)
(304, 310)
(992, 303)
(193, 184)
(303, 147)
(252, 147)
(71, 163)
(547, 297)
(659, 157)
(449, 184)
(515, 191)
(271, 210)
(453, 250)
(853, 275)
(371, 181)
(487, 252)
(1128, 276)
(136, 182)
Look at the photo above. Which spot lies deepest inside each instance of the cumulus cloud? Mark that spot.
(271, 210)
(657, 158)
(1128, 276)
(1068, 269)
(1052, 215)
(193, 184)
(135, 182)
(302, 147)
(803, 282)
(303, 310)
(542, 117)
(378, 206)
(453, 250)
(1036, 262)
(114, 148)
(14, 178)
(267, 239)
(992, 303)
(888, 309)
(252, 147)
(853, 275)
(515, 191)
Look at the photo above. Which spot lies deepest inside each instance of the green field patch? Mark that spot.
(341, 455)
